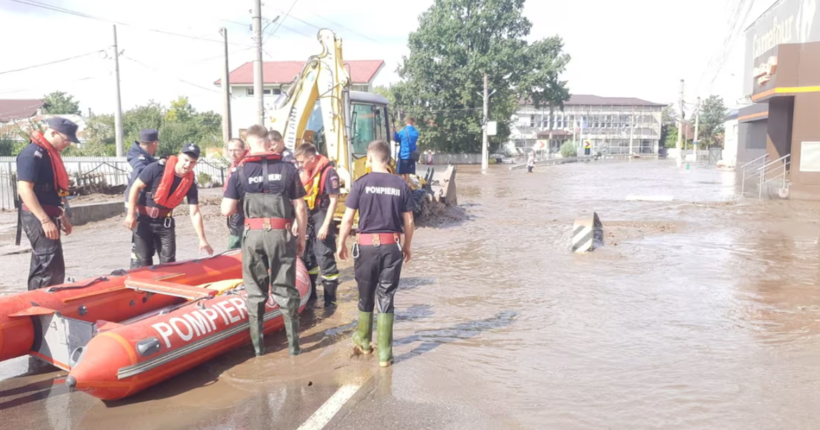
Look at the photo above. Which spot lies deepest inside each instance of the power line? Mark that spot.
(179, 79)
(34, 3)
(52, 62)
(352, 31)
(62, 83)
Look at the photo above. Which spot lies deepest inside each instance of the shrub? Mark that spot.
(568, 149)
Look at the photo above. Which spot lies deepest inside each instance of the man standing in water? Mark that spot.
(271, 196)
(385, 207)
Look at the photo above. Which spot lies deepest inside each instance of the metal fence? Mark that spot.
(112, 171)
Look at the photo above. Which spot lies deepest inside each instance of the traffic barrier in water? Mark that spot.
(587, 233)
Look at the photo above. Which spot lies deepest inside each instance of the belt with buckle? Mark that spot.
(267, 224)
(376, 239)
(52, 211)
(154, 212)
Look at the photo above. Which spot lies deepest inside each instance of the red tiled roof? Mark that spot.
(283, 72)
(16, 109)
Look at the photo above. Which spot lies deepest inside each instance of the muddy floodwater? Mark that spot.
(702, 310)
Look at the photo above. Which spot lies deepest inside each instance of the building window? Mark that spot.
(532, 120)
(266, 91)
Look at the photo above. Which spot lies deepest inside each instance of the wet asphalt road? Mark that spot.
(701, 311)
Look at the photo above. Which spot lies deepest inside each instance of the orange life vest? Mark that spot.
(314, 181)
(163, 195)
(57, 166)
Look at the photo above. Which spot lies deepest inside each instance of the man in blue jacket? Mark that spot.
(407, 139)
(139, 157)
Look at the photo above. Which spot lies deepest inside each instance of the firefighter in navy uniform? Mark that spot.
(385, 207)
(155, 194)
(140, 156)
(42, 183)
(321, 184)
(272, 196)
(236, 223)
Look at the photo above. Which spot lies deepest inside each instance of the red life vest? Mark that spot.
(57, 166)
(163, 195)
(260, 156)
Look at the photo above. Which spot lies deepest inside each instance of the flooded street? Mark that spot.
(702, 310)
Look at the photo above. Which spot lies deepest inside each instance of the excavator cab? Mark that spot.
(368, 122)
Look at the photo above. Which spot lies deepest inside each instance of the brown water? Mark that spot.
(700, 312)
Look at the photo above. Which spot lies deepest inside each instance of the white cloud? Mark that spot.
(637, 48)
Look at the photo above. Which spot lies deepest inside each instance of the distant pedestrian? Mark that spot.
(429, 157)
(408, 152)
(587, 147)
(530, 161)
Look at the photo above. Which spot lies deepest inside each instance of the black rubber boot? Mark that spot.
(258, 337)
(330, 292)
(313, 294)
(364, 335)
(292, 330)
(385, 328)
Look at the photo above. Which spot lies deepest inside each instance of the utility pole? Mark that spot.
(697, 125)
(258, 88)
(226, 93)
(484, 141)
(118, 107)
(680, 125)
(631, 130)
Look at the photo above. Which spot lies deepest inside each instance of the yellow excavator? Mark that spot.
(319, 108)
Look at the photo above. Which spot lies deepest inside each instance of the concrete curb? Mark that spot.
(80, 214)
(92, 212)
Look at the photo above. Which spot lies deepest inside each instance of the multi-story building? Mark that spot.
(611, 124)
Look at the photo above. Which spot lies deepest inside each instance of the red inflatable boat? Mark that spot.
(120, 334)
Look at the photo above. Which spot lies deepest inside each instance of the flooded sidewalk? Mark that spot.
(701, 311)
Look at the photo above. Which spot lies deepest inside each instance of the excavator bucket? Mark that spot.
(443, 186)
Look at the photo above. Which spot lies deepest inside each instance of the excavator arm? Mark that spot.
(325, 79)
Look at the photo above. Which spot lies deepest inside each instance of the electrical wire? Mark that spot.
(52, 62)
(174, 77)
(34, 3)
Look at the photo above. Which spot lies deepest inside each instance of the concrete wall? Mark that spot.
(92, 212)
(752, 137)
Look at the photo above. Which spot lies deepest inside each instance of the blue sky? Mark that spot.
(630, 48)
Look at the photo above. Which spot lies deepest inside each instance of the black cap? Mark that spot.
(191, 149)
(149, 135)
(64, 126)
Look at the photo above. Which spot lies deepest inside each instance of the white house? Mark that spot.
(730, 133)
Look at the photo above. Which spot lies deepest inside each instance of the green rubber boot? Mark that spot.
(292, 330)
(364, 335)
(385, 328)
(258, 337)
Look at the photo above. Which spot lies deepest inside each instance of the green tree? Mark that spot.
(180, 111)
(457, 42)
(177, 125)
(712, 117)
(60, 103)
(542, 85)
(669, 126)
